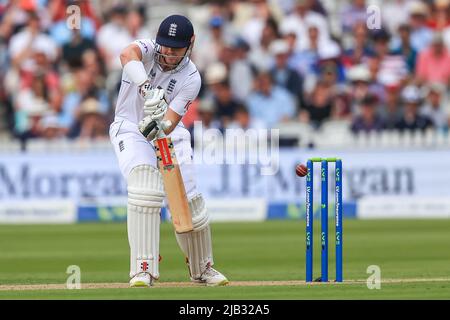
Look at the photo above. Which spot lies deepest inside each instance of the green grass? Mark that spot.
(275, 250)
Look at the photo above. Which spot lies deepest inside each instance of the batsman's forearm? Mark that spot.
(174, 119)
(132, 65)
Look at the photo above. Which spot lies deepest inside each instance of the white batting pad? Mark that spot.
(200, 216)
(197, 245)
(145, 199)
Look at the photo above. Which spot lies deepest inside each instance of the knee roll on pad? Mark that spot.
(145, 187)
(200, 216)
(145, 199)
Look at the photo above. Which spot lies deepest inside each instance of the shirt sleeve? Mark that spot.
(288, 103)
(188, 93)
(15, 45)
(147, 49)
(420, 65)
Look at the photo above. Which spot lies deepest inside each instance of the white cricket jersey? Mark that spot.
(181, 87)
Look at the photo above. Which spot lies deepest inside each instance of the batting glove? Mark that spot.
(155, 105)
(150, 135)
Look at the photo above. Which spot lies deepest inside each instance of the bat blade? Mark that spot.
(173, 185)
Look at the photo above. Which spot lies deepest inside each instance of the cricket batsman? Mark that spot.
(159, 82)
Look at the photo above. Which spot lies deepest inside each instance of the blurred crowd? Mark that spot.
(263, 63)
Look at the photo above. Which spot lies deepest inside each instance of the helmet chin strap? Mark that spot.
(173, 67)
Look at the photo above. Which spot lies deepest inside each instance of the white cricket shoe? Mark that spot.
(142, 279)
(211, 277)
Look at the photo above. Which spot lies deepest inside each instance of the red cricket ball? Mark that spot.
(301, 170)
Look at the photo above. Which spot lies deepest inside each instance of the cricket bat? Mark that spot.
(173, 182)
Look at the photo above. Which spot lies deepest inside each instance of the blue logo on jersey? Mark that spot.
(152, 73)
(171, 85)
(144, 45)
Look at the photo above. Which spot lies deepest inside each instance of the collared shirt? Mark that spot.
(273, 108)
(181, 87)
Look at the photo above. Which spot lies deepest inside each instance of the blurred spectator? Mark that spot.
(51, 127)
(115, 28)
(255, 56)
(59, 31)
(260, 56)
(269, 103)
(206, 116)
(433, 64)
(359, 48)
(395, 13)
(317, 6)
(402, 46)
(221, 93)
(421, 34)
(31, 105)
(237, 13)
(391, 110)
(353, 13)
(318, 106)
(439, 18)
(227, 55)
(330, 71)
(435, 108)
(359, 77)
(316, 55)
(216, 73)
(298, 20)
(23, 44)
(253, 29)
(313, 52)
(304, 62)
(315, 41)
(90, 61)
(411, 117)
(341, 105)
(73, 50)
(42, 64)
(11, 18)
(392, 69)
(283, 75)
(240, 74)
(39, 85)
(443, 11)
(282, 8)
(208, 47)
(14, 15)
(368, 119)
(135, 23)
(243, 120)
(70, 116)
(286, 5)
(91, 118)
(377, 83)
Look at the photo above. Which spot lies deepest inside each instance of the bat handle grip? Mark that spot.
(152, 126)
(149, 129)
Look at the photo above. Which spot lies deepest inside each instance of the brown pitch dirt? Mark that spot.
(14, 287)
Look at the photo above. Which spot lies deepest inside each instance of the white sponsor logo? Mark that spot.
(74, 19)
(373, 17)
(374, 280)
(238, 146)
(74, 280)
